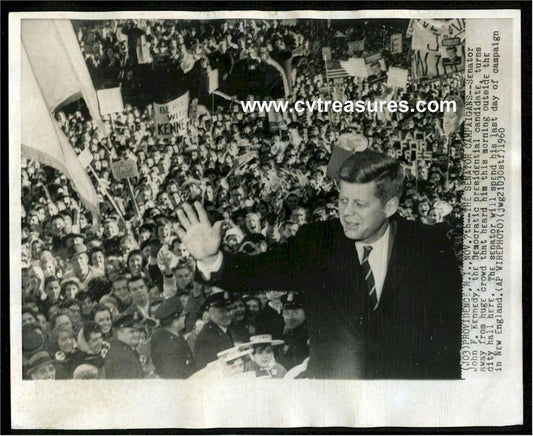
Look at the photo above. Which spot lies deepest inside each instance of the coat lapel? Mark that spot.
(345, 272)
(402, 248)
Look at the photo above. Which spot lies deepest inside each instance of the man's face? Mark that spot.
(95, 342)
(163, 232)
(57, 226)
(110, 229)
(52, 290)
(298, 216)
(98, 260)
(135, 264)
(362, 214)
(103, 319)
(45, 372)
(28, 318)
(81, 263)
(120, 290)
(180, 250)
(183, 277)
(139, 292)
(253, 306)
(221, 315)
(87, 306)
(130, 336)
(293, 317)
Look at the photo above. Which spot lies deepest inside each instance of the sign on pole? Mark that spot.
(397, 77)
(110, 101)
(171, 118)
(124, 169)
(396, 43)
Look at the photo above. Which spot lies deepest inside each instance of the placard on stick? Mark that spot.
(123, 169)
(110, 101)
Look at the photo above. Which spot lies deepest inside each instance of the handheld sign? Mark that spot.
(171, 118)
(110, 101)
(124, 169)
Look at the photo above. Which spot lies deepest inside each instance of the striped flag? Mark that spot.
(335, 70)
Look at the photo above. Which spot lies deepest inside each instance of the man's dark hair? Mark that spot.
(49, 280)
(60, 312)
(121, 277)
(136, 279)
(133, 253)
(66, 304)
(98, 287)
(100, 308)
(82, 295)
(371, 166)
(90, 328)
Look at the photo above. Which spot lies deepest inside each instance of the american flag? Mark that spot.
(335, 70)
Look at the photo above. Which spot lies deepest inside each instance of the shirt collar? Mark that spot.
(380, 243)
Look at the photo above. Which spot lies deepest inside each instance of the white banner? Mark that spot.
(171, 118)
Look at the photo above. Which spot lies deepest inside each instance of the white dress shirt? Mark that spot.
(206, 270)
(377, 259)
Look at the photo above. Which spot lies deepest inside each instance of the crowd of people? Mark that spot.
(121, 299)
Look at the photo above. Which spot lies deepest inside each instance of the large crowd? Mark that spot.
(105, 301)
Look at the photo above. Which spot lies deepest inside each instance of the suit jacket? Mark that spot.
(414, 332)
(210, 341)
(295, 349)
(122, 362)
(171, 355)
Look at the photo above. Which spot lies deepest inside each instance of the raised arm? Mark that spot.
(277, 269)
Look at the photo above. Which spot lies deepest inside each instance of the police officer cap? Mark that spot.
(170, 308)
(129, 319)
(220, 300)
(292, 300)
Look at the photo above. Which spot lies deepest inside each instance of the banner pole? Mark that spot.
(106, 193)
(135, 206)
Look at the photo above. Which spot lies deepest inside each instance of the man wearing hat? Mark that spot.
(81, 269)
(41, 366)
(295, 336)
(122, 360)
(171, 354)
(111, 240)
(382, 294)
(214, 336)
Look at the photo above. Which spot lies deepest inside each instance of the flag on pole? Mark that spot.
(44, 141)
(335, 70)
(58, 65)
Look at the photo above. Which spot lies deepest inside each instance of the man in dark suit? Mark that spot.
(170, 352)
(382, 295)
(122, 360)
(215, 335)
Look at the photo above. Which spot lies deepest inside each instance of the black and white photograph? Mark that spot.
(257, 202)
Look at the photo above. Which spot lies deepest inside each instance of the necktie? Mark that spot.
(369, 277)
